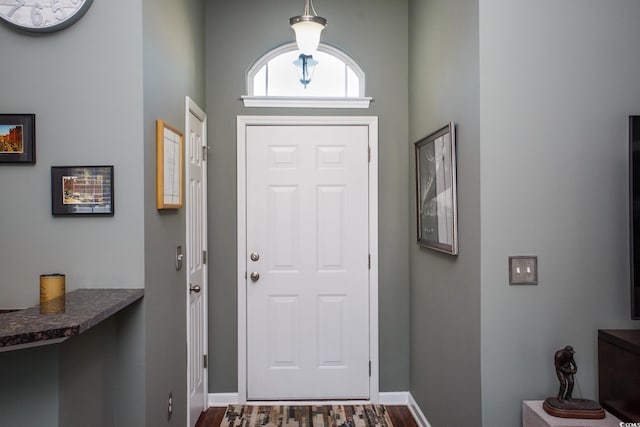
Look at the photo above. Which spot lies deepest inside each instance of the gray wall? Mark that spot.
(88, 111)
(558, 80)
(89, 364)
(173, 67)
(85, 86)
(445, 290)
(29, 376)
(91, 380)
(555, 83)
(108, 360)
(375, 33)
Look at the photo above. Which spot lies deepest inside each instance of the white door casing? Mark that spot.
(307, 204)
(196, 242)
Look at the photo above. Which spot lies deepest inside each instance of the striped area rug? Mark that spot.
(306, 416)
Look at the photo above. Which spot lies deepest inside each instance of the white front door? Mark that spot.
(307, 262)
(196, 211)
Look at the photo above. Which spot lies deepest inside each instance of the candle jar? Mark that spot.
(52, 291)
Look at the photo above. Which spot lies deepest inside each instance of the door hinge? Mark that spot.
(369, 367)
(369, 261)
(204, 257)
(206, 362)
(204, 152)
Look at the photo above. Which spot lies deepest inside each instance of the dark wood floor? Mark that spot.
(400, 417)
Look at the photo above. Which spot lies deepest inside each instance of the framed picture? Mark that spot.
(82, 190)
(436, 199)
(17, 138)
(170, 166)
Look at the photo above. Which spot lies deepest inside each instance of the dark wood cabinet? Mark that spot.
(619, 372)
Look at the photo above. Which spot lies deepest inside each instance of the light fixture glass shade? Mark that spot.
(308, 35)
(307, 65)
(308, 27)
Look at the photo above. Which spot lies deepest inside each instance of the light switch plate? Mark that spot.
(523, 270)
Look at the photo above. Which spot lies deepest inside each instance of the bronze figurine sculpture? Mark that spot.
(565, 406)
(565, 370)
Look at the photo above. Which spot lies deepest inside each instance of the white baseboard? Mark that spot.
(222, 399)
(388, 398)
(394, 398)
(417, 413)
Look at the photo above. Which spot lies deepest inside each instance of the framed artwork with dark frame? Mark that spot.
(82, 190)
(436, 194)
(17, 138)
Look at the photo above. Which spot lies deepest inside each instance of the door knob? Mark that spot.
(194, 288)
(255, 256)
(255, 276)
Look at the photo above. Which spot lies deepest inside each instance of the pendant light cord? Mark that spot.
(308, 8)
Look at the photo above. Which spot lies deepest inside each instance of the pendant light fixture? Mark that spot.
(306, 64)
(308, 27)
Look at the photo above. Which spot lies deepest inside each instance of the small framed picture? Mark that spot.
(436, 198)
(170, 166)
(17, 138)
(82, 190)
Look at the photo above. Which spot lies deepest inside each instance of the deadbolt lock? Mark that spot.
(255, 256)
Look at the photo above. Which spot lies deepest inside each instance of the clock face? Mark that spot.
(42, 15)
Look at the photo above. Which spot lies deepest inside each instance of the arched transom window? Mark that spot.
(276, 80)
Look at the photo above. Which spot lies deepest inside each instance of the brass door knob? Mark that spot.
(194, 288)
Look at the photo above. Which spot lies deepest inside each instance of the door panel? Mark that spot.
(196, 203)
(283, 235)
(331, 225)
(283, 314)
(332, 336)
(307, 218)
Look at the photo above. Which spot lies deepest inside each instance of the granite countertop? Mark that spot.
(83, 308)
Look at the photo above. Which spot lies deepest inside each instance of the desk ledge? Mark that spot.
(84, 308)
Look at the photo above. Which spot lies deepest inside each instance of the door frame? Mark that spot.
(243, 122)
(192, 108)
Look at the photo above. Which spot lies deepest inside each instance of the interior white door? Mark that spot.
(307, 262)
(196, 211)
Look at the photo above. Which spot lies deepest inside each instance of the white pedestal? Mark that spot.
(534, 416)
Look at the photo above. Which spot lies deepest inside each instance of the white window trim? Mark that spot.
(306, 102)
(309, 102)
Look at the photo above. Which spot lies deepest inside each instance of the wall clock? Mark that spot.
(43, 15)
